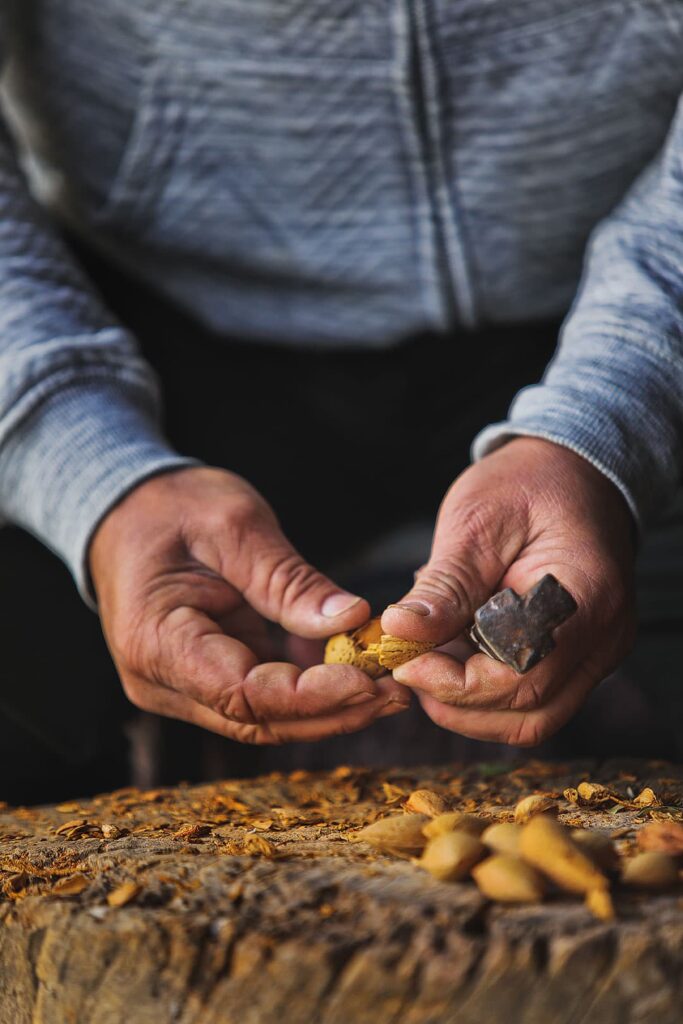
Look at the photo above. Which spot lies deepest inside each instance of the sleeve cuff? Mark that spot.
(79, 453)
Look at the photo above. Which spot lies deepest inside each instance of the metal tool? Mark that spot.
(517, 629)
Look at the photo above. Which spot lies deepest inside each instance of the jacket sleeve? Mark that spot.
(78, 406)
(613, 392)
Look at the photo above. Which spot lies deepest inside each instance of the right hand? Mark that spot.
(186, 569)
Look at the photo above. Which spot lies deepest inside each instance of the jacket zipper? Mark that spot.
(457, 309)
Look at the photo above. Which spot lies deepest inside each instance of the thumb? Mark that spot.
(282, 586)
(470, 554)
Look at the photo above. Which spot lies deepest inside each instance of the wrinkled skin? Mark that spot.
(187, 570)
(530, 508)
(192, 564)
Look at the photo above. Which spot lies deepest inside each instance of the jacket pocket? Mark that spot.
(148, 155)
(288, 168)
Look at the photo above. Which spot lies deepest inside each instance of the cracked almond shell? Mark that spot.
(342, 649)
(537, 803)
(392, 652)
(371, 650)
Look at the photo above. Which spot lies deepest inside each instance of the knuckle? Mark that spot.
(233, 519)
(239, 515)
(448, 580)
(126, 639)
(235, 707)
(527, 697)
(531, 730)
(257, 735)
(175, 644)
(478, 531)
(290, 579)
(135, 643)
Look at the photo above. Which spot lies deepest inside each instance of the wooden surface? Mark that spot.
(246, 902)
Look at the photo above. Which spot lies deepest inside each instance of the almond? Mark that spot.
(400, 834)
(650, 870)
(123, 894)
(454, 821)
(71, 885)
(503, 837)
(594, 793)
(663, 836)
(450, 857)
(537, 803)
(425, 801)
(547, 845)
(599, 902)
(507, 879)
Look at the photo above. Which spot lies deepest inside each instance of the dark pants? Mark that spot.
(346, 446)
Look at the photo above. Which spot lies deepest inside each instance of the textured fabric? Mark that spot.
(338, 173)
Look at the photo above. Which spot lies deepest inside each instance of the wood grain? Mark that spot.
(246, 901)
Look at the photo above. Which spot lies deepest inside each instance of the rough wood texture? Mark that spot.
(266, 912)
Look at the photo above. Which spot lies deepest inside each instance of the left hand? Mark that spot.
(530, 508)
(187, 568)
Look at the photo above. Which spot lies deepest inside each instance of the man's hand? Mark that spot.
(529, 508)
(186, 570)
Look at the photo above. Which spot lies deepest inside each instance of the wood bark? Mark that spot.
(246, 901)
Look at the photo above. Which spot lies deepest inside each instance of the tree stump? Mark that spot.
(245, 901)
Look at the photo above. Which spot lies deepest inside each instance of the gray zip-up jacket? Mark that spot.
(338, 172)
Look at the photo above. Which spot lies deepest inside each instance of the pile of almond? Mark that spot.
(522, 861)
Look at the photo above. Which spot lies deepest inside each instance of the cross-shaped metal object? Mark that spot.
(517, 629)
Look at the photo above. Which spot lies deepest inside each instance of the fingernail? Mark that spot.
(417, 607)
(338, 603)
